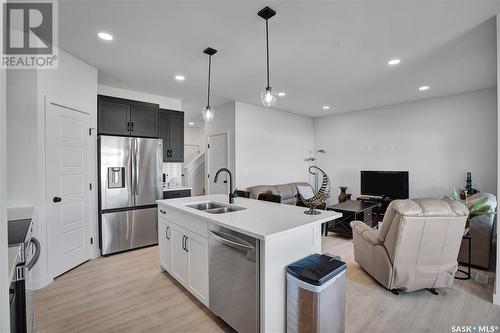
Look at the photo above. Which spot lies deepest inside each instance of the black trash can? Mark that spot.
(316, 294)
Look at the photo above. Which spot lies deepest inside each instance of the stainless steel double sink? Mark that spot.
(215, 208)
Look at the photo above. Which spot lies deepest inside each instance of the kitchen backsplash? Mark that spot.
(173, 175)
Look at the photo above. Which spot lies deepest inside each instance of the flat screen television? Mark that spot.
(391, 184)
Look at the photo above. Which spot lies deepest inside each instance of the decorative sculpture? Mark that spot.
(319, 197)
(343, 194)
(468, 185)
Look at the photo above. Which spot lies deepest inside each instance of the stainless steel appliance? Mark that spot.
(130, 183)
(234, 278)
(316, 294)
(22, 308)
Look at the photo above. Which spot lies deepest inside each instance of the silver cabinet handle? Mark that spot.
(221, 239)
(163, 212)
(167, 234)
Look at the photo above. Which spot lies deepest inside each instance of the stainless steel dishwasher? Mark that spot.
(234, 278)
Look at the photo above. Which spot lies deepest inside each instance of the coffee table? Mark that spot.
(353, 210)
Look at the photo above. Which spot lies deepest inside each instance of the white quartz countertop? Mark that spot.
(260, 219)
(20, 213)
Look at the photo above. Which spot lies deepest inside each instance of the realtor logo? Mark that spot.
(29, 34)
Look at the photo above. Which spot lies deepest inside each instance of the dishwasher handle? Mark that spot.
(36, 256)
(221, 239)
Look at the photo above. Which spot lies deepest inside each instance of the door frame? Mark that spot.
(43, 228)
(207, 164)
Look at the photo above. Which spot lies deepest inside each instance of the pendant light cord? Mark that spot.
(209, 70)
(267, 49)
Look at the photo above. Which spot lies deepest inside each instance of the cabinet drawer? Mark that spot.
(192, 224)
(162, 212)
(185, 221)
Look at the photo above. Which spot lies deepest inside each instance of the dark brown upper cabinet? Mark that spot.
(171, 130)
(118, 116)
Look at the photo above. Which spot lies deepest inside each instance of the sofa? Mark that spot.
(416, 247)
(287, 192)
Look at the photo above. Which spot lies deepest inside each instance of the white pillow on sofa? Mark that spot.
(305, 192)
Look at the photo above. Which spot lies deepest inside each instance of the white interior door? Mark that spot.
(67, 144)
(218, 157)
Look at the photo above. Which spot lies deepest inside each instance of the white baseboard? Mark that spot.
(496, 299)
(39, 284)
(95, 253)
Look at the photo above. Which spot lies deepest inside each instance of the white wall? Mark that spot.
(438, 140)
(22, 153)
(73, 84)
(163, 101)
(194, 141)
(271, 146)
(4, 281)
(224, 121)
(267, 146)
(496, 292)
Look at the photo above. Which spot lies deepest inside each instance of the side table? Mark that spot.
(467, 276)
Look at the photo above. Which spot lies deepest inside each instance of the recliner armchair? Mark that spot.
(416, 247)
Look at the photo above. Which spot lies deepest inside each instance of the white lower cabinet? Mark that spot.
(164, 243)
(198, 267)
(184, 254)
(179, 256)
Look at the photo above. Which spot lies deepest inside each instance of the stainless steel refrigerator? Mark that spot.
(130, 183)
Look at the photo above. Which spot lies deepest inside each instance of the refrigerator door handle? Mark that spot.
(132, 170)
(127, 235)
(136, 167)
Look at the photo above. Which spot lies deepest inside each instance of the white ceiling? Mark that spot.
(322, 53)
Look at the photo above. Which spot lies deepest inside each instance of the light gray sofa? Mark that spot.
(287, 192)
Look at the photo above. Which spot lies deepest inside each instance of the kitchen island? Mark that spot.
(200, 239)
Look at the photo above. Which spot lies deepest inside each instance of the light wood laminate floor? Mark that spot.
(128, 293)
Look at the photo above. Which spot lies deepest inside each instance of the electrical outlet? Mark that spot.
(369, 148)
(391, 147)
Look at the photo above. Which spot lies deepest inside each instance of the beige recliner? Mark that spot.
(416, 246)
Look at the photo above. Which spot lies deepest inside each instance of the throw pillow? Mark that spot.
(305, 192)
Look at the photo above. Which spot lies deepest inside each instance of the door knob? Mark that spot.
(56, 199)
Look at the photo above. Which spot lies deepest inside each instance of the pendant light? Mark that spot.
(208, 112)
(267, 97)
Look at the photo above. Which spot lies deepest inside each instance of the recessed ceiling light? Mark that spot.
(191, 123)
(180, 77)
(281, 94)
(326, 107)
(105, 36)
(393, 62)
(423, 88)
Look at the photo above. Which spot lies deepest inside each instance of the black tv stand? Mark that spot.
(384, 203)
